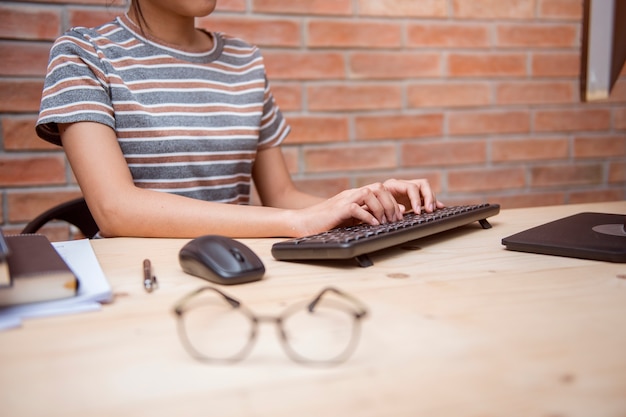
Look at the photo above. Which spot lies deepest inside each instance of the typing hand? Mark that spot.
(372, 204)
(414, 194)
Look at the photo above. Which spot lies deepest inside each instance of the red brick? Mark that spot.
(486, 64)
(19, 134)
(24, 58)
(25, 22)
(352, 91)
(323, 187)
(398, 126)
(555, 64)
(618, 92)
(494, 9)
(471, 123)
(318, 129)
(572, 120)
(304, 65)
(533, 35)
(619, 118)
(389, 65)
(403, 8)
(343, 97)
(533, 199)
(601, 146)
(346, 33)
(433, 177)
(444, 153)
(20, 96)
(617, 173)
(536, 92)
(263, 32)
(350, 158)
(287, 96)
(25, 206)
(561, 9)
(529, 149)
(448, 35)
(94, 17)
(81, 2)
(465, 199)
(310, 7)
(596, 196)
(480, 180)
(231, 5)
(448, 94)
(32, 170)
(566, 175)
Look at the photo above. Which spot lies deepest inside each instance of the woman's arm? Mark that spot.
(274, 184)
(120, 208)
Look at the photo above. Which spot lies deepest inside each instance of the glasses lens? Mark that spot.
(325, 334)
(214, 329)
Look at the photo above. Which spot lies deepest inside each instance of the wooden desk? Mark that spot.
(459, 326)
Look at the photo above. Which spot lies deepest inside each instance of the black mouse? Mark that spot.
(221, 260)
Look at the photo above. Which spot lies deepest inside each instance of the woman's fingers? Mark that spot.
(391, 209)
(417, 193)
(372, 204)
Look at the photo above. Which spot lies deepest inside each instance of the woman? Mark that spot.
(163, 123)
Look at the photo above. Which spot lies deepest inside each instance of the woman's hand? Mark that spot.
(414, 194)
(372, 204)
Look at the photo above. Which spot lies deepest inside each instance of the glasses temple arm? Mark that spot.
(178, 308)
(362, 310)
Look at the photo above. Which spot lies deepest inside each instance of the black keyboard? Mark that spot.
(357, 241)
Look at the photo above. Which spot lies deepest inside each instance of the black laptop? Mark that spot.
(596, 236)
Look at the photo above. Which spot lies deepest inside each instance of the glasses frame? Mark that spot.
(356, 309)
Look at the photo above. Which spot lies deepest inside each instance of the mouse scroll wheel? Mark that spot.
(237, 255)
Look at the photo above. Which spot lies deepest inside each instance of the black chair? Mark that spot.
(74, 212)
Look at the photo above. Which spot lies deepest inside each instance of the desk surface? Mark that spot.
(459, 326)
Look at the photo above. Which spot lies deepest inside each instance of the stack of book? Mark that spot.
(41, 279)
(31, 270)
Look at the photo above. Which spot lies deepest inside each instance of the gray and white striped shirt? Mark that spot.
(187, 123)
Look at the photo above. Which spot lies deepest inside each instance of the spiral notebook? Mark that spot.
(596, 236)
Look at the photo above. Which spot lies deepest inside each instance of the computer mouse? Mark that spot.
(221, 260)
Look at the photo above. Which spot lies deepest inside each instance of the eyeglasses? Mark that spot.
(215, 327)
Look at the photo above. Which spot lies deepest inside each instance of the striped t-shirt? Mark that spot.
(187, 123)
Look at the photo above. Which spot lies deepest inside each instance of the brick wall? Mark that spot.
(479, 96)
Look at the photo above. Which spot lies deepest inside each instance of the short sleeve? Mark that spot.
(76, 87)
